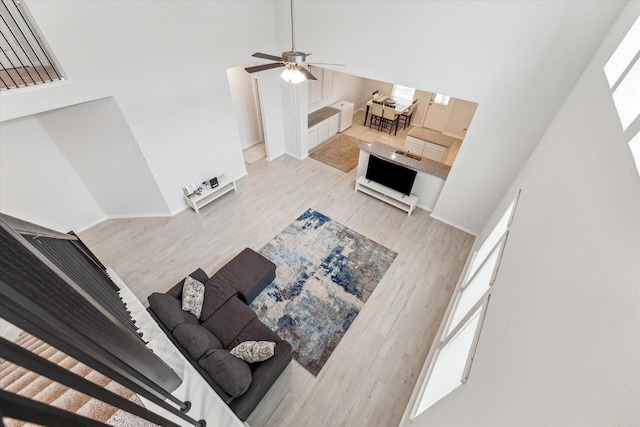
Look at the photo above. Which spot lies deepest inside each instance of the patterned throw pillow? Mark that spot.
(254, 351)
(192, 296)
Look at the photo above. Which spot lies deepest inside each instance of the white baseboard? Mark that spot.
(145, 215)
(275, 155)
(425, 207)
(453, 224)
(92, 224)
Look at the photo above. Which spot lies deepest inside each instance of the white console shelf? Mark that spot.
(210, 194)
(386, 194)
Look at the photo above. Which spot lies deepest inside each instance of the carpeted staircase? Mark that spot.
(18, 380)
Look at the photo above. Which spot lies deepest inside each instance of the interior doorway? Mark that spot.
(247, 110)
(258, 150)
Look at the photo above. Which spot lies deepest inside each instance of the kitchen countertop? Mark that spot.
(320, 115)
(432, 136)
(389, 153)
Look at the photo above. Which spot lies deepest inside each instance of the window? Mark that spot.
(453, 352)
(623, 73)
(634, 145)
(441, 99)
(403, 92)
(25, 59)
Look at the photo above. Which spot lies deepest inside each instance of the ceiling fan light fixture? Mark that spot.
(292, 74)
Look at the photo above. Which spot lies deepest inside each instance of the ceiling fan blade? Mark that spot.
(324, 63)
(263, 67)
(267, 56)
(306, 73)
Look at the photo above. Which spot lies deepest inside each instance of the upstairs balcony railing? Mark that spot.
(25, 58)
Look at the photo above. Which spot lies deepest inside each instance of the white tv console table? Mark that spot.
(430, 178)
(208, 195)
(386, 194)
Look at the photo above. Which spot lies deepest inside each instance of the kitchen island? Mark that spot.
(429, 181)
(427, 143)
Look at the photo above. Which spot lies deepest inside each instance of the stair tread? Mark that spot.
(24, 382)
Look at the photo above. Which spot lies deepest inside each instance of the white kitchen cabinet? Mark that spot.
(426, 149)
(327, 83)
(434, 152)
(315, 86)
(333, 124)
(312, 139)
(413, 147)
(322, 131)
(323, 87)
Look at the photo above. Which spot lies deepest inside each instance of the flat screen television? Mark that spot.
(391, 175)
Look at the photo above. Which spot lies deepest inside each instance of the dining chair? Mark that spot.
(390, 119)
(405, 117)
(376, 115)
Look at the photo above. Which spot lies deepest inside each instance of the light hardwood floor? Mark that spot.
(369, 378)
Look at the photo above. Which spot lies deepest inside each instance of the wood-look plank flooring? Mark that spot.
(369, 378)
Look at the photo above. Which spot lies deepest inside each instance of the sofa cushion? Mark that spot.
(169, 311)
(199, 275)
(255, 331)
(216, 294)
(195, 339)
(230, 373)
(254, 351)
(192, 296)
(229, 320)
(249, 272)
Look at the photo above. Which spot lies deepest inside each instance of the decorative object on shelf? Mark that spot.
(325, 274)
(189, 189)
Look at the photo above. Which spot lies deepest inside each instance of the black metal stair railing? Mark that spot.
(20, 356)
(43, 296)
(25, 58)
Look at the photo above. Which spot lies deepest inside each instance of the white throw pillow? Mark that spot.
(254, 351)
(192, 296)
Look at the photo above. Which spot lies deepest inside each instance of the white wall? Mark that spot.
(517, 60)
(96, 141)
(165, 64)
(561, 339)
(37, 183)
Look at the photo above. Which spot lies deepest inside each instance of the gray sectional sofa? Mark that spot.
(225, 321)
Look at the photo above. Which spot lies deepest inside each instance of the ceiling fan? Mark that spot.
(292, 60)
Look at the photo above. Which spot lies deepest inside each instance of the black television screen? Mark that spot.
(391, 175)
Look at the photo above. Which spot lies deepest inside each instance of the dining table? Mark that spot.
(400, 104)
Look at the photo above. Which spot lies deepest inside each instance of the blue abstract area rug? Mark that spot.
(325, 272)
